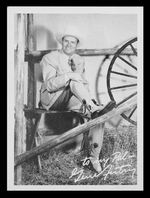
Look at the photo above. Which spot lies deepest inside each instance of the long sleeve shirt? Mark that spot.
(55, 67)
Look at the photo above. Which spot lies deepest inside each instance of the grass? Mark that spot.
(58, 166)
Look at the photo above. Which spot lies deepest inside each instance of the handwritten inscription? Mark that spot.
(115, 168)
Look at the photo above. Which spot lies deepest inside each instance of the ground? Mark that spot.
(118, 158)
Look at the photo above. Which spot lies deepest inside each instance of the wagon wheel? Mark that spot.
(122, 82)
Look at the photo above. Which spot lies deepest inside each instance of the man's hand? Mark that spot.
(75, 77)
(77, 63)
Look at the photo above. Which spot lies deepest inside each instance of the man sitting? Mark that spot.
(66, 88)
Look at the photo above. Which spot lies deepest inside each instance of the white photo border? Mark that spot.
(10, 93)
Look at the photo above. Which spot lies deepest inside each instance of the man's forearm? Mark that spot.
(56, 83)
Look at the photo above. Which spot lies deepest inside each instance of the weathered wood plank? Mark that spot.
(30, 47)
(19, 130)
(71, 134)
(39, 111)
(31, 85)
(29, 36)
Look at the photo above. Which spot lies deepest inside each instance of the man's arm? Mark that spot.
(52, 81)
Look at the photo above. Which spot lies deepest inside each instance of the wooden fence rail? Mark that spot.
(71, 134)
(36, 56)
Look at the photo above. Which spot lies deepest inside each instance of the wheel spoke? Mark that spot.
(122, 68)
(119, 80)
(127, 75)
(124, 86)
(132, 111)
(135, 52)
(127, 62)
(124, 100)
(128, 119)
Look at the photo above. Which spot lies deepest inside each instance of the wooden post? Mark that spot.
(31, 97)
(20, 130)
(30, 47)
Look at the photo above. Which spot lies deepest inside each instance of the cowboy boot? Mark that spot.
(103, 109)
(95, 110)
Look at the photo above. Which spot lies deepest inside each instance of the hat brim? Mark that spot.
(60, 36)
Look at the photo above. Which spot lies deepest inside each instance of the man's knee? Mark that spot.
(73, 84)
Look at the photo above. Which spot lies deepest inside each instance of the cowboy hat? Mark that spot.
(69, 31)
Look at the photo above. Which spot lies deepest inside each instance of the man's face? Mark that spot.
(69, 44)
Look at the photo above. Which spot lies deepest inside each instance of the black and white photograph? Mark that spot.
(75, 98)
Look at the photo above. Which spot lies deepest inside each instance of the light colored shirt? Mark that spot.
(55, 66)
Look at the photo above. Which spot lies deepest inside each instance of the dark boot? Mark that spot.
(108, 107)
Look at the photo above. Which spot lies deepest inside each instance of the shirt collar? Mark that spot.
(61, 51)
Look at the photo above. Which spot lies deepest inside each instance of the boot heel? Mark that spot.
(106, 109)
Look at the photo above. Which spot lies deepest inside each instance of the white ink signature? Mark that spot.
(108, 169)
